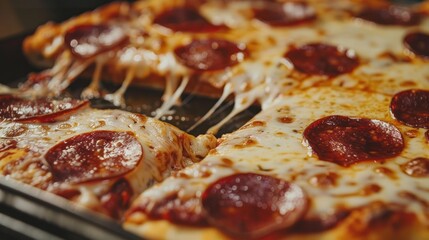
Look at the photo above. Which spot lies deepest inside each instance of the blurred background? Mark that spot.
(21, 16)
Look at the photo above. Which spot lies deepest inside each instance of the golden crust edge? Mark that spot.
(401, 226)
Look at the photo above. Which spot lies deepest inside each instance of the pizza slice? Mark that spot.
(323, 163)
(99, 159)
(214, 48)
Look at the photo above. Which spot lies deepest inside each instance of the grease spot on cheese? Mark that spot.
(285, 119)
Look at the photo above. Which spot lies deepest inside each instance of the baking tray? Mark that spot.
(29, 213)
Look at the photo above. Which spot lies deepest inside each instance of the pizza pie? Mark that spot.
(99, 159)
(253, 50)
(337, 151)
(322, 163)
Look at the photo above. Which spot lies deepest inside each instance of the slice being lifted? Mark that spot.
(323, 163)
(187, 46)
(100, 159)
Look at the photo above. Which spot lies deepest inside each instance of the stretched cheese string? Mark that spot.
(174, 98)
(93, 90)
(117, 98)
(73, 72)
(242, 102)
(227, 90)
(62, 63)
(57, 73)
(170, 85)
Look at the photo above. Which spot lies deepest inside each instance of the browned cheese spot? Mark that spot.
(249, 142)
(386, 171)
(413, 133)
(417, 167)
(227, 162)
(413, 197)
(371, 189)
(285, 119)
(254, 124)
(16, 131)
(324, 180)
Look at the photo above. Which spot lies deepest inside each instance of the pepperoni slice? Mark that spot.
(345, 141)
(322, 59)
(392, 15)
(411, 107)
(118, 198)
(94, 156)
(210, 54)
(284, 14)
(38, 111)
(418, 43)
(186, 19)
(253, 205)
(87, 41)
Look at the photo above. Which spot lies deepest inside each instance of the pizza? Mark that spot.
(338, 149)
(214, 48)
(323, 163)
(98, 159)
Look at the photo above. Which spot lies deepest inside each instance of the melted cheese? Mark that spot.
(386, 66)
(165, 148)
(267, 145)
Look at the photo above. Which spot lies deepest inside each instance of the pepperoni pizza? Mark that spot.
(252, 50)
(323, 163)
(99, 159)
(338, 150)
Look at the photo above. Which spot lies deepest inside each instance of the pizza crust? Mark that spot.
(358, 226)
